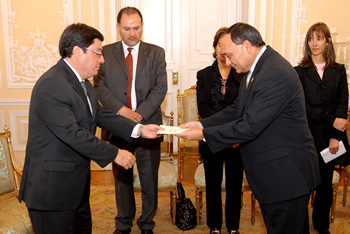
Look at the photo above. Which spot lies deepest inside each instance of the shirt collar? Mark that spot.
(257, 59)
(75, 72)
(135, 47)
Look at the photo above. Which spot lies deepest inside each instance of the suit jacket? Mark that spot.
(326, 99)
(269, 120)
(62, 142)
(150, 81)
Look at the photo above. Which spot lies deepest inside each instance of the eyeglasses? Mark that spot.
(96, 52)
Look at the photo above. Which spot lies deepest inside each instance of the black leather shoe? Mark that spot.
(233, 231)
(121, 231)
(324, 232)
(146, 232)
(215, 231)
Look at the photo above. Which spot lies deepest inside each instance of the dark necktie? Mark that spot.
(86, 94)
(129, 64)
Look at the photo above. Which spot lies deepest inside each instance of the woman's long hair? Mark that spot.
(321, 30)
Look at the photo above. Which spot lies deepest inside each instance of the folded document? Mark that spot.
(171, 130)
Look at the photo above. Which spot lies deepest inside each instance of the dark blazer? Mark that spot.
(326, 100)
(209, 97)
(150, 84)
(62, 142)
(205, 90)
(269, 120)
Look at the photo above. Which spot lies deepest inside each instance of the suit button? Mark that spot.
(125, 93)
(325, 100)
(324, 86)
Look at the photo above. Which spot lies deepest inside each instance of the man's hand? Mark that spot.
(340, 124)
(149, 131)
(130, 114)
(191, 124)
(125, 159)
(193, 134)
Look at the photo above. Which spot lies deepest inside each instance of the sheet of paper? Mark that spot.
(328, 156)
(171, 130)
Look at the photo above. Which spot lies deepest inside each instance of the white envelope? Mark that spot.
(328, 156)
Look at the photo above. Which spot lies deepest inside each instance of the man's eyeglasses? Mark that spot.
(96, 52)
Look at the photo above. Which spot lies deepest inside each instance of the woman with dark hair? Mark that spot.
(217, 88)
(326, 95)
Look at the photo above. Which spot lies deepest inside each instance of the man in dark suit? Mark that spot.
(61, 139)
(269, 121)
(134, 89)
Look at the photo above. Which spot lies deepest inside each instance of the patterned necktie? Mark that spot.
(84, 88)
(86, 94)
(129, 64)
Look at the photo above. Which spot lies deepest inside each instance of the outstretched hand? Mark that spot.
(125, 159)
(150, 131)
(194, 132)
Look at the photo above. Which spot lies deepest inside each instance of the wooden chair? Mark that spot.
(14, 217)
(335, 184)
(199, 178)
(346, 183)
(186, 111)
(167, 176)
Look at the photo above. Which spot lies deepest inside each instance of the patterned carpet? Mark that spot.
(104, 210)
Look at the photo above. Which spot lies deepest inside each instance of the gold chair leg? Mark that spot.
(335, 187)
(253, 209)
(173, 206)
(346, 181)
(198, 205)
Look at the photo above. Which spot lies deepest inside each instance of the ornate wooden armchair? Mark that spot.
(14, 217)
(186, 111)
(167, 177)
(346, 183)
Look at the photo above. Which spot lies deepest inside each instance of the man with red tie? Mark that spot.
(133, 82)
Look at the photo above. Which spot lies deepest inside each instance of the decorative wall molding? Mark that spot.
(300, 21)
(2, 121)
(25, 64)
(23, 125)
(14, 102)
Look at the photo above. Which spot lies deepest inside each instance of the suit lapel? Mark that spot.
(143, 54)
(313, 74)
(245, 91)
(73, 79)
(120, 56)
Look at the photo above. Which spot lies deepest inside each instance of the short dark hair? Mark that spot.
(217, 36)
(241, 32)
(129, 11)
(80, 35)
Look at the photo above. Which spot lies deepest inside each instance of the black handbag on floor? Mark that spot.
(186, 214)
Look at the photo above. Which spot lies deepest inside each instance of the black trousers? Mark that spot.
(323, 199)
(148, 160)
(285, 217)
(64, 221)
(213, 167)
